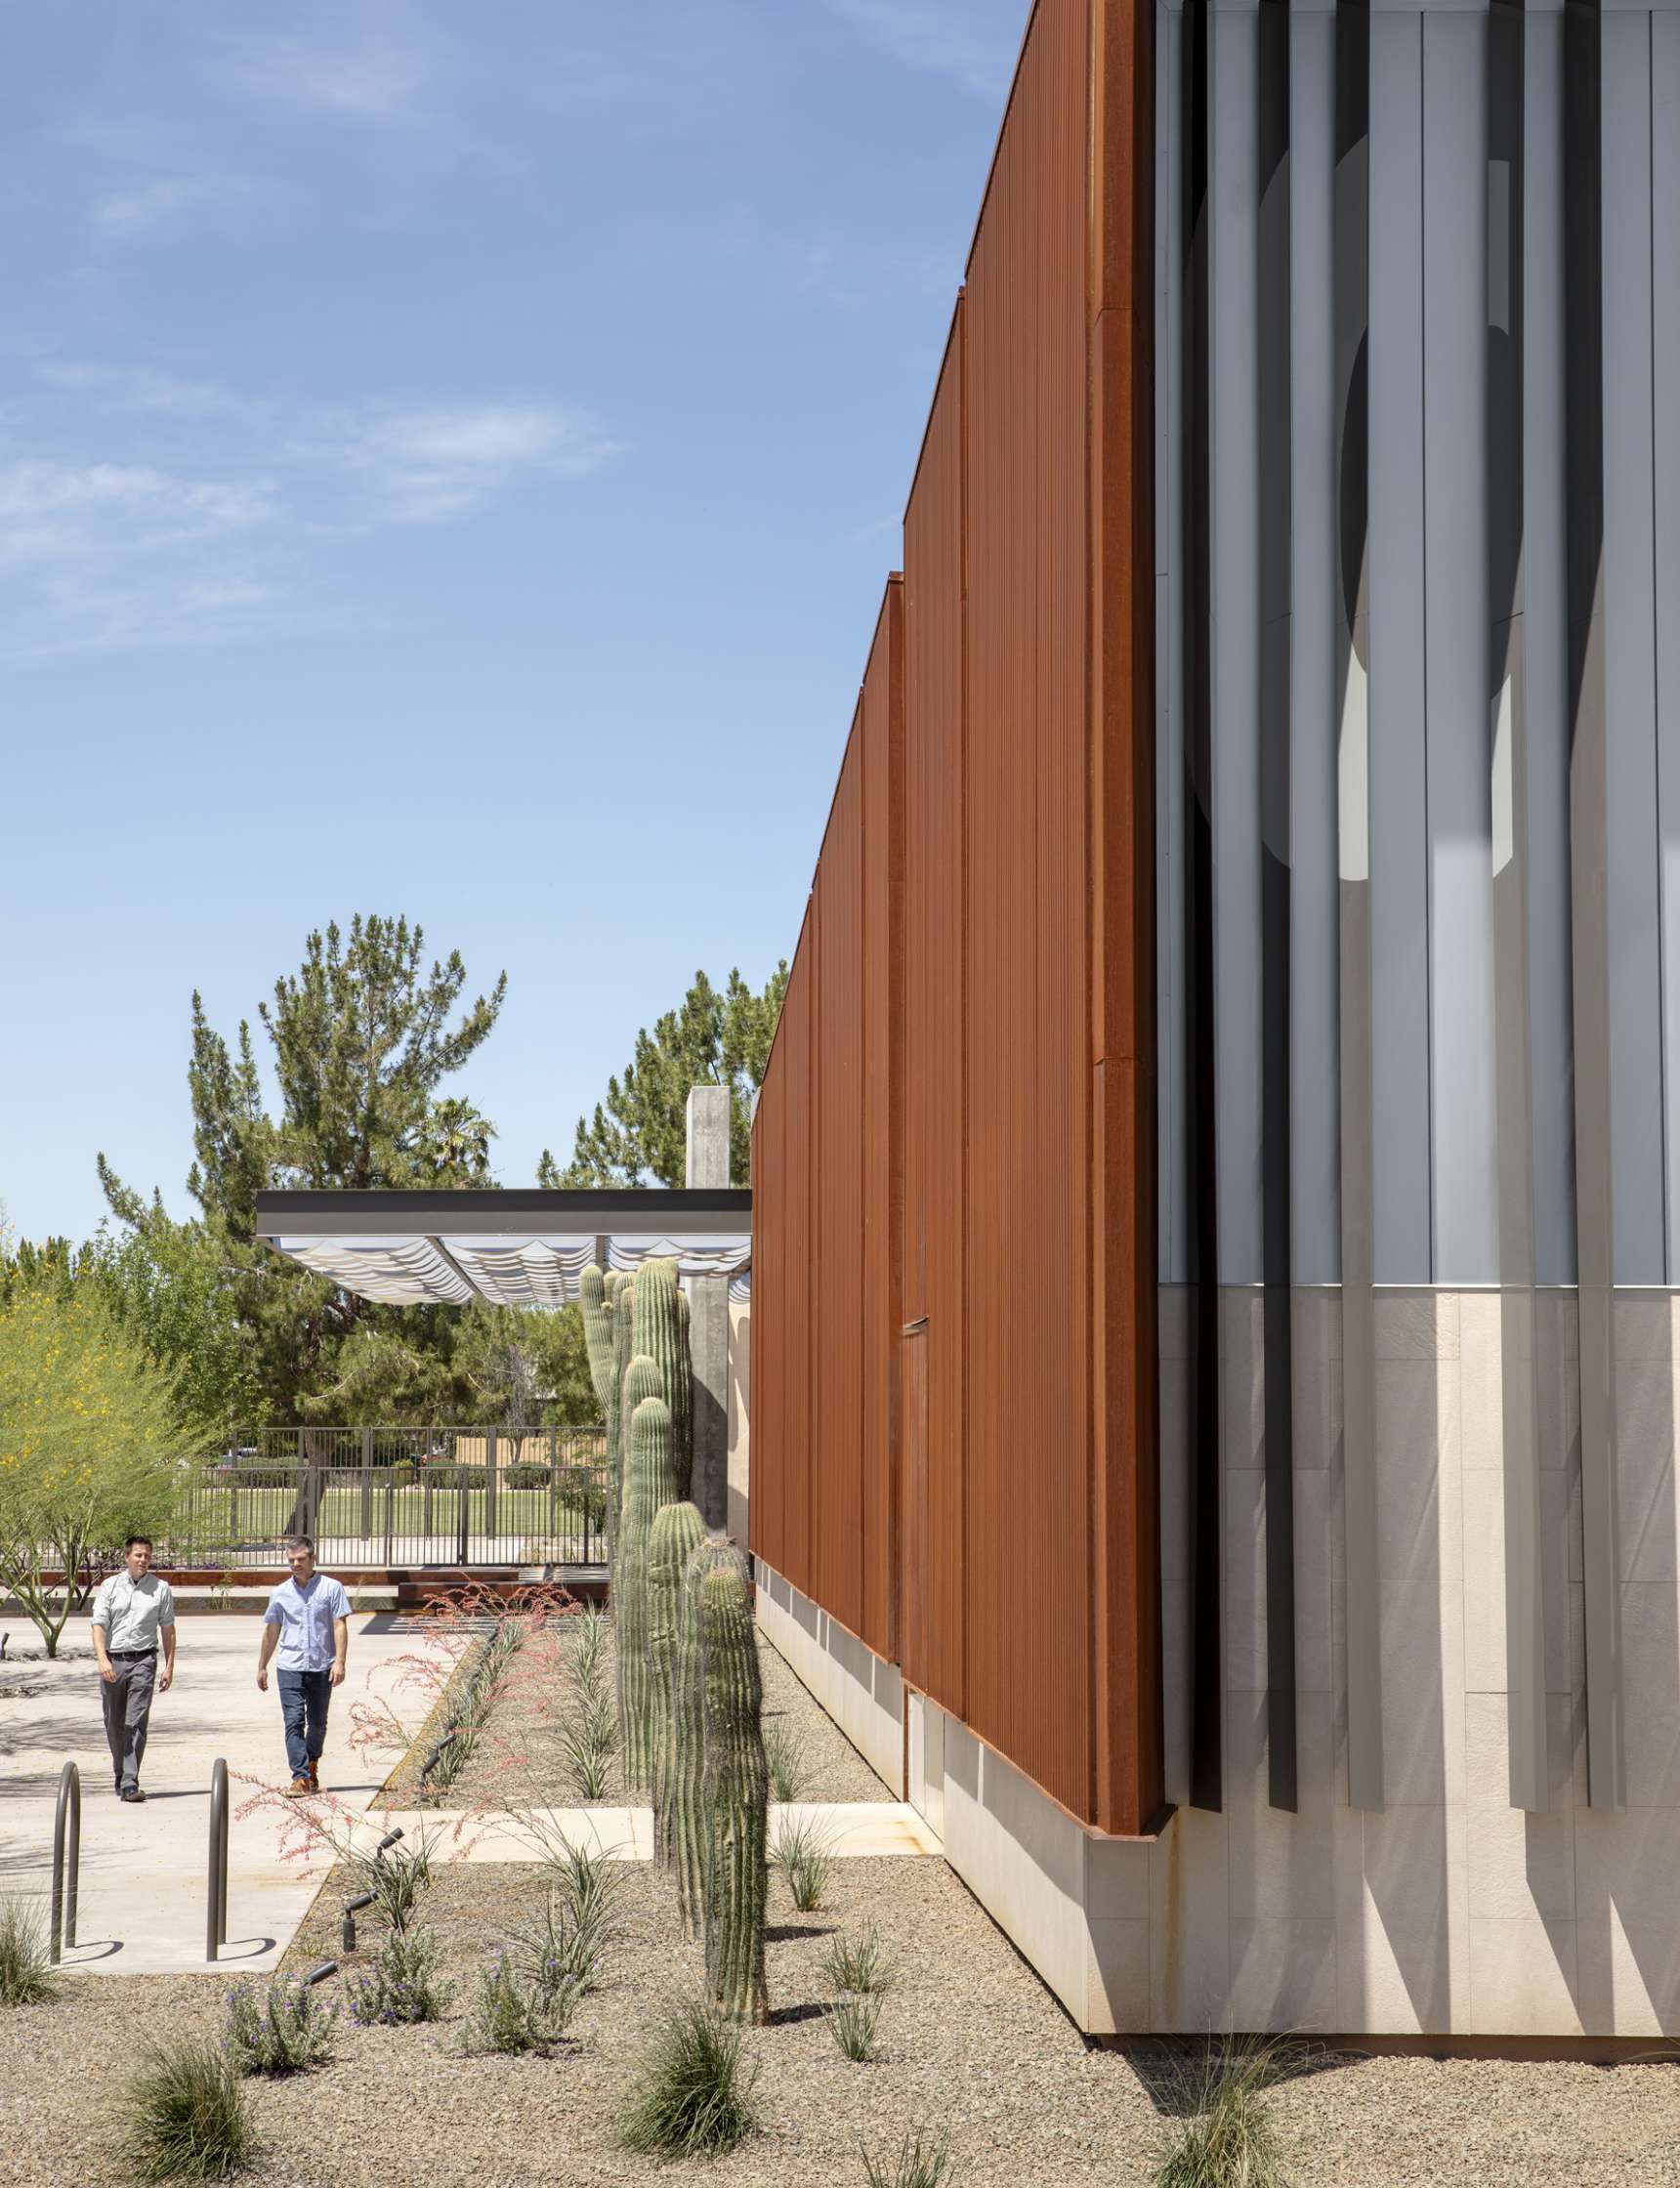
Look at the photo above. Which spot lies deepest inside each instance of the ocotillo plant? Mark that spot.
(736, 1795)
(662, 1334)
(649, 1483)
(675, 1537)
(685, 1781)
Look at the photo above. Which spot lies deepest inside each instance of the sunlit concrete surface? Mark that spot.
(845, 1828)
(145, 1866)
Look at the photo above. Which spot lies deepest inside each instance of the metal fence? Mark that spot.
(400, 1496)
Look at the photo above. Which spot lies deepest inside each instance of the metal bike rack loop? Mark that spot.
(216, 1912)
(66, 1838)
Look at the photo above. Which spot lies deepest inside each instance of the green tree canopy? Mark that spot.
(360, 1041)
(640, 1133)
(93, 1441)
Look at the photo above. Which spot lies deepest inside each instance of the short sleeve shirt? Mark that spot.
(305, 1616)
(132, 1611)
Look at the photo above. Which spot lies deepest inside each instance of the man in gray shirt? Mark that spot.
(133, 1613)
(309, 1617)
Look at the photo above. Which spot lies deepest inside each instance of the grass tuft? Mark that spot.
(406, 1982)
(858, 1964)
(587, 1728)
(853, 2018)
(184, 2114)
(692, 2094)
(277, 2028)
(922, 2161)
(785, 1758)
(1226, 2138)
(516, 2010)
(802, 1860)
(25, 1971)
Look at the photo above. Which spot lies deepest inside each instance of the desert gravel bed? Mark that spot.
(970, 2041)
(517, 1758)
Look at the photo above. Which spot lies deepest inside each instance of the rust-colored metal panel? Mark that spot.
(837, 1178)
(881, 721)
(1129, 1790)
(1028, 1001)
(934, 1300)
(954, 1358)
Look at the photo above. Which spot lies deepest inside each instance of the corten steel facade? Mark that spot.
(987, 1337)
(1246, 1516)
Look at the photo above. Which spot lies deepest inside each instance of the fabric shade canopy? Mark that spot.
(514, 1249)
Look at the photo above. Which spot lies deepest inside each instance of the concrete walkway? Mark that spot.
(145, 1865)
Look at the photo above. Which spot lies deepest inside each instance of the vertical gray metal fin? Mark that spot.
(1352, 304)
(1206, 1623)
(1583, 464)
(1513, 1077)
(1276, 571)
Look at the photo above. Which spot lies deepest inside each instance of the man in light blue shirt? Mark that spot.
(308, 1618)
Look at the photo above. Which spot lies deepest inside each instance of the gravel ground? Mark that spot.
(970, 2041)
(518, 1749)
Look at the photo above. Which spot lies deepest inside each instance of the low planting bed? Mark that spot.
(519, 1755)
(969, 2042)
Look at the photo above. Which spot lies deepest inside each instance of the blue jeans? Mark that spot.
(303, 1697)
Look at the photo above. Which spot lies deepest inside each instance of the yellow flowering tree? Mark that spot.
(92, 1447)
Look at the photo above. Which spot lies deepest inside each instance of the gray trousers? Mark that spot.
(127, 1701)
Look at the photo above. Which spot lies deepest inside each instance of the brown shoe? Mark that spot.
(314, 1778)
(300, 1786)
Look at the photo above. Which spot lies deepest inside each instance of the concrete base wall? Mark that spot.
(740, 1383)
(1449, 1912)
(860, 1691)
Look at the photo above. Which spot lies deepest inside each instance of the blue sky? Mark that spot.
(449, 456)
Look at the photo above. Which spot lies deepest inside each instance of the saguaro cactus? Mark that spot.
(623, 1299)
(662, 1334)
(649, 1483)
(685, 1780)
(736, 1795)
(675, 1536)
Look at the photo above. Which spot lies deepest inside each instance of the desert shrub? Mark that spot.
(277, 2028)
(184, 2114)
(1226, 2136)
(851, 2019)
(397, 1880)
(569, 1938)
(921, 2160)
(802, 1860)
(691, 2092)
(25, 1971)
(524, 1473)
(406, 1982)
(516, 2011)
(586, 1729)
(784, 1758)
(858, 1964)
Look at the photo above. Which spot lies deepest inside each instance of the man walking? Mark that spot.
(309, 1618)
(133, 1614)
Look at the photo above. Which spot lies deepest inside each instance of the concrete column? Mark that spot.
(708, 1164)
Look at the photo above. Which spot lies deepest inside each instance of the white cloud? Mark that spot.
(878, 527)
(973, 42)
(119, 386)
(105, 554)
(99, 555)
(128, 215)
(375, 75)
(429, 465)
